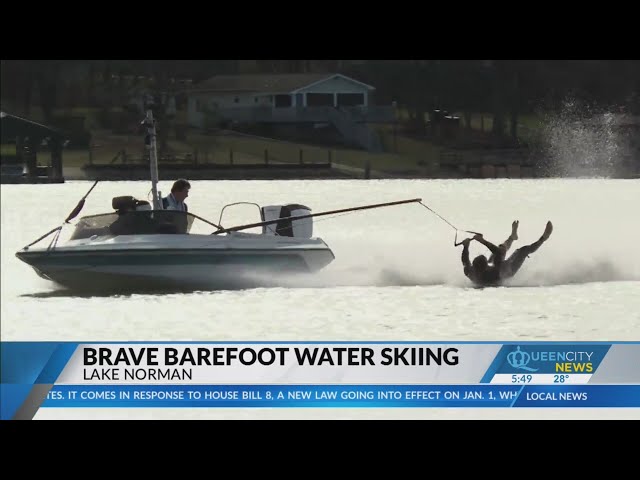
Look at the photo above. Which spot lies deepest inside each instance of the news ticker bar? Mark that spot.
(317, 374)
(342, 396)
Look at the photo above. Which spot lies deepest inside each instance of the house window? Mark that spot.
(350, 99)
(282, 101)
(319, 99)
(236, 100)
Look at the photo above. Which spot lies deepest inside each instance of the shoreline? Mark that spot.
(334, 171)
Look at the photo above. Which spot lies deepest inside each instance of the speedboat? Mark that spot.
(139, 245)
(140, 248)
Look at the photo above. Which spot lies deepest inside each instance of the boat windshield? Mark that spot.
(134, 223)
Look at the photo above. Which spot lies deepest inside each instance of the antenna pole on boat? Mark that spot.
(153, 159)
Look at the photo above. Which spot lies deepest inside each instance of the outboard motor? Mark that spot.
(143, 206)
(285, 227)
(128, 203)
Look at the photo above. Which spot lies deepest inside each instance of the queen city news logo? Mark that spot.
(532, 360)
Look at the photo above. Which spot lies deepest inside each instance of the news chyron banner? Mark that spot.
(306, 374)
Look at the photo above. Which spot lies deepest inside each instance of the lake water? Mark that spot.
(396, 276)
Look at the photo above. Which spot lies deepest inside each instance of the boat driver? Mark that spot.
(179, 193)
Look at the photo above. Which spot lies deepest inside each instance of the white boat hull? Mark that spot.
(176, 261)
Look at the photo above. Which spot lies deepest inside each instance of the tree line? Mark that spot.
(504, 88)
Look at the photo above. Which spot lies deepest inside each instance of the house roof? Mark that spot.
(272, 83)
(13, 126)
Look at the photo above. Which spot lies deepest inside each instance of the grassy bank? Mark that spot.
(219, 150)
(409, 155)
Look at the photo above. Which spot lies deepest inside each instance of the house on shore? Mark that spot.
(291, 99)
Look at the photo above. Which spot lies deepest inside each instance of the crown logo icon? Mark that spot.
(520, 360)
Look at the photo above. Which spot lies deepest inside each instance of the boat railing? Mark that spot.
(239, 203)
(147, 222)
